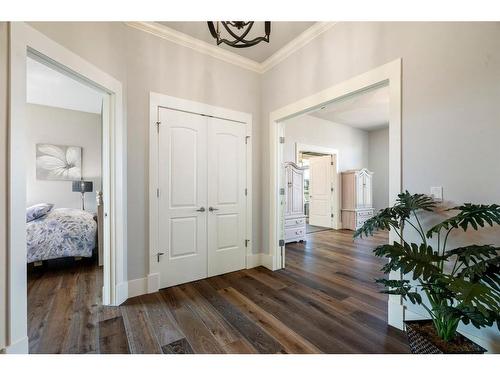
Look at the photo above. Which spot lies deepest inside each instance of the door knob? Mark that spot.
(201, 209)
(211, 209)
(158, 256)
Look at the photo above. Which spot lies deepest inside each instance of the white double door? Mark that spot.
(202, 201)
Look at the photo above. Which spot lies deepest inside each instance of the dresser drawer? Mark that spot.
(365, 214)
(295, 232)
(295, 222)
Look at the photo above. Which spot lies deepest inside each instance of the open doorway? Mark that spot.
(341, 153)
(334, 248)
(65, 214)
(28, 47)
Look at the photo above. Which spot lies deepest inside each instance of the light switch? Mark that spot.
(437, 193)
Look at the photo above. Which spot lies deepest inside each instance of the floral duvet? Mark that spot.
(63, 232)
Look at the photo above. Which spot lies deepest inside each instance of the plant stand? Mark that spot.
(423, 339)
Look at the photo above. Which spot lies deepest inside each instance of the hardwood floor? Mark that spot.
(325, 301)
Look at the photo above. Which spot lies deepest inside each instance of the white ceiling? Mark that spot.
(281, 34)
(368, 110)
(47, 86)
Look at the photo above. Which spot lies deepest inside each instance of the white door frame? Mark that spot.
(157, 100)
(301, 147)
(389, 74)
(24, 38)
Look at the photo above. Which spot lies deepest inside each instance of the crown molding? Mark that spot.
(198, 45)
(188, 41)
(295, 44)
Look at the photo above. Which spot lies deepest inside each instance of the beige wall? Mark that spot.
(63, 127)
(144, 63)
(450, 98)
(378, 163)
(3, 179)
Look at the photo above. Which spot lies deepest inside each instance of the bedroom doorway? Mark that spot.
(60, 156)
(65, 206)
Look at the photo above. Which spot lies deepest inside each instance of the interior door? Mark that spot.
(226, 196)
(183, 209)
(320, 188)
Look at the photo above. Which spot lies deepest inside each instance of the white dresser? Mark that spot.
(295, 219)
(357, 203)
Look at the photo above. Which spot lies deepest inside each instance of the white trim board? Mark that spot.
(390, 74)
(201, 46)
(157, 100)
(24, 39)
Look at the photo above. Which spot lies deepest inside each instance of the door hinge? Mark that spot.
(282, 139)
(246, 243)
(246, 191)
(331, 215)
(331, 189)
(331, 163)
(281, 243)
(246, 139)
(282, 191)
(157, 193)
(158, 123)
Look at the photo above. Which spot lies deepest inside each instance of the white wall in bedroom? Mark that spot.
(63, 127)
(351, 143)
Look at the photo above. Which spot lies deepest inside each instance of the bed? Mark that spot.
(63, 232)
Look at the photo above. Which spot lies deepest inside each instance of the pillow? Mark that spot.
(37, 211)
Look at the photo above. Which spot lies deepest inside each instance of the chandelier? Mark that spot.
(237, 31)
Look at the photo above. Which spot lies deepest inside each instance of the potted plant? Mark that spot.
(459, 285)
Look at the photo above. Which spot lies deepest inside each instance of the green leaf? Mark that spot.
(475, 295)
(420, 260)
(406, 203)
(384, 220)
(486, 271)
(474, 215)
(473, 254)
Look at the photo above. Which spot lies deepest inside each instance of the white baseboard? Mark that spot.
(153, 282)
(121, 293)
(144, 285)
(259, 259)
(19, 347)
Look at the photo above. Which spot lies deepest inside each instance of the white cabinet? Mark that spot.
(357, 198)
(295, 220)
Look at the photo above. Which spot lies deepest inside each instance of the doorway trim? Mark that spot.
(23, 40)
(334, 153)
(389, 74)
(157, 100)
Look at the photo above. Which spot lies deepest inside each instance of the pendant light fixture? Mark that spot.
(237, 31)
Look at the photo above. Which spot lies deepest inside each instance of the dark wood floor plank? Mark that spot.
(140, 334)
(112, 336)
(289, 339)
(163, 323)
(252, 333)
(197, 334)
(325, 300)
(223, 332)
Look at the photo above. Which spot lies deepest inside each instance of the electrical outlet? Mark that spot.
(437, 193)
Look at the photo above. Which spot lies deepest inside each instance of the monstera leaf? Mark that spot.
(384, 220)
(474, 215)
(420, 260)
(400, 287)
(408, 203)
(476, 295)
(486, 271)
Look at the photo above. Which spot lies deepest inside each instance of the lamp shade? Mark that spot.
(82, 186)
